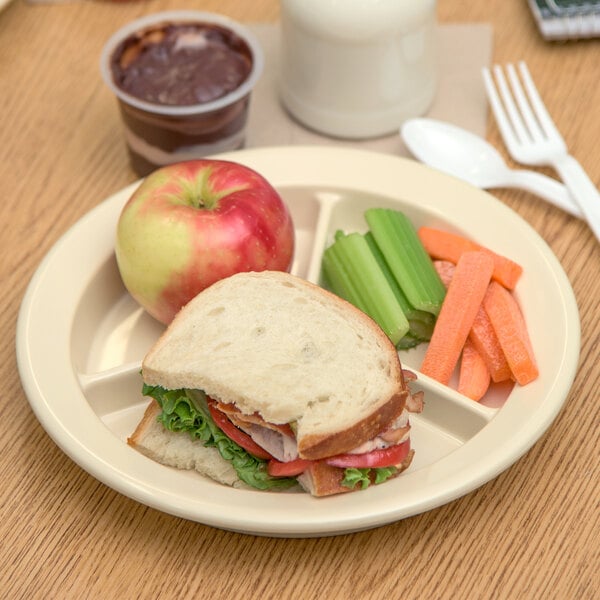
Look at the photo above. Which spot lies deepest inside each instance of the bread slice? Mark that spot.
(278, 345)
(179, 450)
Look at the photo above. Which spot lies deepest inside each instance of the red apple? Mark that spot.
(192, 223)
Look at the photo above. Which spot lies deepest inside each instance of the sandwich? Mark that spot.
(267, 381)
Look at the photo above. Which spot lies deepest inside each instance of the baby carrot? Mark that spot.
(443, 245)
(463, 299)
(474, 377)
(485, 340)
(445, 270)
(509, 325)
(482, 334)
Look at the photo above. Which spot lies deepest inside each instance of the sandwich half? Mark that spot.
(268, 381)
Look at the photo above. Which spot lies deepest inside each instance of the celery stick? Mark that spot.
(420, 322)
(400, 295)
(339, 280)
(421, 326)
(407, 342)
(407, 259)
(353, 273)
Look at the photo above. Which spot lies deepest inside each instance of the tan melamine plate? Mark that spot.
(81, 338)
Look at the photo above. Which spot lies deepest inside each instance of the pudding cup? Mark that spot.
(158, 133)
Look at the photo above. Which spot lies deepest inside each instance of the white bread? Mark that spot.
(179, 450)
(276, 344)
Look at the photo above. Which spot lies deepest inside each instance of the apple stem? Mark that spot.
(198, 194)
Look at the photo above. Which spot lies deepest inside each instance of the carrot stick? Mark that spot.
(443, 245)
(485, 340)
(482, 334)
(509, 325)
(463, 299)
(445, 269)
(474, 377)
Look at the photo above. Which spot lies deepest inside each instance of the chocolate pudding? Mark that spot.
(181, 64)
(183, 80)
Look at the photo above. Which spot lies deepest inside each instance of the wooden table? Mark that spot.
(533, 532)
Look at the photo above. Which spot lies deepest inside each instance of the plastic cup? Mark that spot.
(361, 71)
(158, 133)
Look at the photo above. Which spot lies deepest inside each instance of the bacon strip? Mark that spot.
(414, 402)
(238, 418)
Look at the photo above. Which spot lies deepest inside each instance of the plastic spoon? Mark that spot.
(466, 156)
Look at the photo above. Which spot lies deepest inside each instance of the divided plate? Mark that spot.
(81, 339)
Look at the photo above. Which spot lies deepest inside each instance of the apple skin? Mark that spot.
(193, 223)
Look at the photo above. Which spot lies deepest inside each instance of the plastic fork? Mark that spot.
(532, 137)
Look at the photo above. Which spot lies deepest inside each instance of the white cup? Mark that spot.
(357, 68)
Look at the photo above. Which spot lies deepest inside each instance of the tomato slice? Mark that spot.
(237, 435)
(384, 457)
(292, 468)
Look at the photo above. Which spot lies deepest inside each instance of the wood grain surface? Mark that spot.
(532, 532)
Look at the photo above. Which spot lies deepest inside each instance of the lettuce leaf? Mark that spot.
(187, 411)
(364, 477)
